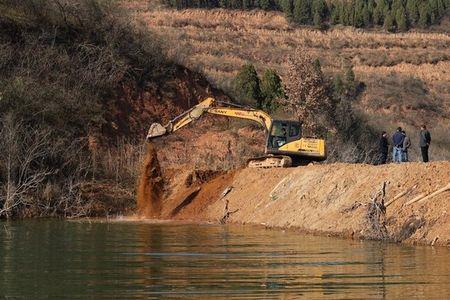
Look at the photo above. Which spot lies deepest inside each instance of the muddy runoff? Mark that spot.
(404, 203)
(150, 185)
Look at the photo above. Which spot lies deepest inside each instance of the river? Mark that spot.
(81, 259)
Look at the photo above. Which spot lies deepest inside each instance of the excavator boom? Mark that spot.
(210, 106)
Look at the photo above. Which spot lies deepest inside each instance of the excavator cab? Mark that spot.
(281, 133)
(285, 139)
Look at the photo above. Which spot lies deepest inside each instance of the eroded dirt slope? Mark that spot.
(332, 199)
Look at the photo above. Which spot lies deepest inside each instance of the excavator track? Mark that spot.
(271, 161)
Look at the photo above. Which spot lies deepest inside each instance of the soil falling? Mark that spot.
(150, 185)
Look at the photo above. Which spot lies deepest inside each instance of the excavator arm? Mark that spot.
(211, 106)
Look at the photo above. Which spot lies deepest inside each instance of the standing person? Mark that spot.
(397, 139)
(384, 148)
(406, 145)
(424, 142)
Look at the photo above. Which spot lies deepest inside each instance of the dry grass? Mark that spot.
(218, 42)
(221, 40)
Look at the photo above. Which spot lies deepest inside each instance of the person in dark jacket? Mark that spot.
(424, 142)
(384, 147)
(397, 140)
(406, 145)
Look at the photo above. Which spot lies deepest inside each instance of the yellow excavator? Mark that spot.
(285, 145)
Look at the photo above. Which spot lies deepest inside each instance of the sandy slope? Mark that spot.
(329, 199)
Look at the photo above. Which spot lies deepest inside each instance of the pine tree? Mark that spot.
(389, 23)
(236, 4)
(317, 19)
(441, 7)
(358, 18)
(366, 16)
(271, 89)
(338, 86)
(302, 11)
(287, 7)
(396, 5)
(370, 8)
(247, 85)
(264, 4)
(345, 14)
(342, 13)
(378, 13)
(320, 7)
(351, 13)
(387, 10)
(424, 15)
(412, 11)
(224, 3)
(335, 16)
(434, 9)
(400, 19)
(432, 18)
(350, 79)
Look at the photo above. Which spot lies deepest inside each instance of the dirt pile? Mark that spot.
(150, 185)
(334, 199)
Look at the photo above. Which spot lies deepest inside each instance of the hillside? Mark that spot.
(79, 86)
(406, 75)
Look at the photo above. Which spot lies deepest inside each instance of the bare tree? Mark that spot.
(307, 92)
(21, 168)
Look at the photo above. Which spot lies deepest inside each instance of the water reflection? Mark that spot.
(136, 260)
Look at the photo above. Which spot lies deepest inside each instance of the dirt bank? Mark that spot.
(335, 199)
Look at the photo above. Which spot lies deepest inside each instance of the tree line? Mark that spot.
(393, 15)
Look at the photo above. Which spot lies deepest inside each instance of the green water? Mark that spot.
(57, 259)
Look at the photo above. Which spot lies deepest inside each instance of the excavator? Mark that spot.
(285, 146)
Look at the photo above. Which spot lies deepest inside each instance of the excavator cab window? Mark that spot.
(294, 130)
(278, 134)
(283, 132)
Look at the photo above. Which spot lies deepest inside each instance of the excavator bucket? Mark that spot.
(156, 130)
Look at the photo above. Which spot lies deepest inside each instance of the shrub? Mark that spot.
(271, 89)
(247, 85)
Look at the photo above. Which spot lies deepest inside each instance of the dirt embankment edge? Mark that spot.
(344, 200)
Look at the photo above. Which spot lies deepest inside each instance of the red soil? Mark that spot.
(150, 185)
